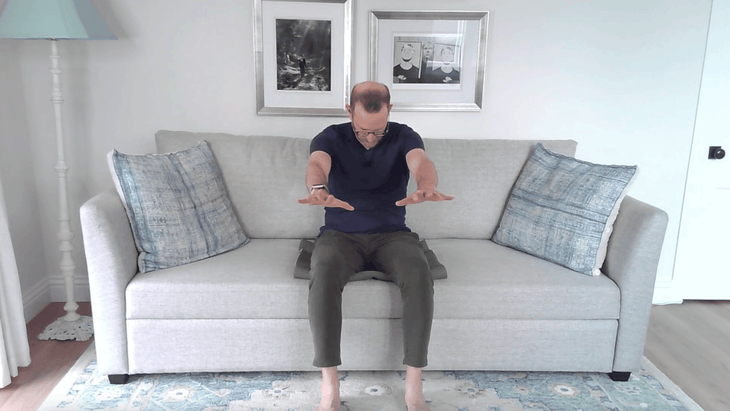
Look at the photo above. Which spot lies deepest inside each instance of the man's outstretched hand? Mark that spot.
(321, 197)
(420, 196)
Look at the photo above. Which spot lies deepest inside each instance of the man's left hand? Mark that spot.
(423, 195)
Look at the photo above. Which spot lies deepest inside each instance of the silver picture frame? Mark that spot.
(461, 36)
(287, 84)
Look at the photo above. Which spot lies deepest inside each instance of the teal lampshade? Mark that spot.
(53, 19)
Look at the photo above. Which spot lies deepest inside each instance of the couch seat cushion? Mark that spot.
(486, 281)
(489, 281)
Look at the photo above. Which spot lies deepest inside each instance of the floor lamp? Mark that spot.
(58, 20)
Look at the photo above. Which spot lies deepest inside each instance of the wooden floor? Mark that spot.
(690, 343)
(50, 360)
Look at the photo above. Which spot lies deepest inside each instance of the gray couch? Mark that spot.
(499, 309)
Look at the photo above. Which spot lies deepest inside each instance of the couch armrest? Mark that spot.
(631, 262)
(111, 257)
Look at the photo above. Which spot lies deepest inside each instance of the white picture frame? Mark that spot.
(453, 79)
(297, 74)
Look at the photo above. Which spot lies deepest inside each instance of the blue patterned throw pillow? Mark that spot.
(562, 210)
(177, 206)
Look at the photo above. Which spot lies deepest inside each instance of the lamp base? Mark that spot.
(79, 330)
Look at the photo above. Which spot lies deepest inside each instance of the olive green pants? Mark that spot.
(337, 256)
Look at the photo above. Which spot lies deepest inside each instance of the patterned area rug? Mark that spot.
(83, 389)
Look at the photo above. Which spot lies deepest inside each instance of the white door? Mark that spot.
(702, 265)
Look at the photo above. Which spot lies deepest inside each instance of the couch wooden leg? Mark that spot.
(619, 376)
(118, 379)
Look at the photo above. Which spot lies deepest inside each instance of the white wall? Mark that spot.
(620, 77)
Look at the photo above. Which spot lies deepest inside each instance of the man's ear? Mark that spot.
(349, 110)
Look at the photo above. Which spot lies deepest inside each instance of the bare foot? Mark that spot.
(414, 390)
(329, 402)
(417, 404)
(330, 390)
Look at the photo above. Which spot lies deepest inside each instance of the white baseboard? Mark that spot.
(36, 299)
(52, 290)
(58, 289)
(664, 293)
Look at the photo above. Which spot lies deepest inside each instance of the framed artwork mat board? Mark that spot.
(303, 54)
(431, 60)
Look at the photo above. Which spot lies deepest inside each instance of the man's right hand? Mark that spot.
(323, 198)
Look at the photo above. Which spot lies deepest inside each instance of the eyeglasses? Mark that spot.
(376, 134)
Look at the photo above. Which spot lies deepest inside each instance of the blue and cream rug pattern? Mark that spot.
(84, 389)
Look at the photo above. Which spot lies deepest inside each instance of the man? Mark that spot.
(426, 63)
(359, 171)
(448, 71)
(405, 71)
(302, 65)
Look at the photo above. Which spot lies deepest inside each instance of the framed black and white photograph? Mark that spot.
(432, 61)
(427, 59)
(406, 60)
(302, 56)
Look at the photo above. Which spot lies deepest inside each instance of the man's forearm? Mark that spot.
(315, 175)
(426, 176)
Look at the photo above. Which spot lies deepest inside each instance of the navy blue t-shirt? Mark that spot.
(370, 180)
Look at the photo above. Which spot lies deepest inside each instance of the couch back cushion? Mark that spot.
(480, 175)
(264, 176)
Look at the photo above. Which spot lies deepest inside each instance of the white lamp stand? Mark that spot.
(72, 326)
(58, 20)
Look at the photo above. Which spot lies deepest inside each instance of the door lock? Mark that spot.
(716, 153)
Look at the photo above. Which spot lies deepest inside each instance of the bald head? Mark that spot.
(371, 95)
